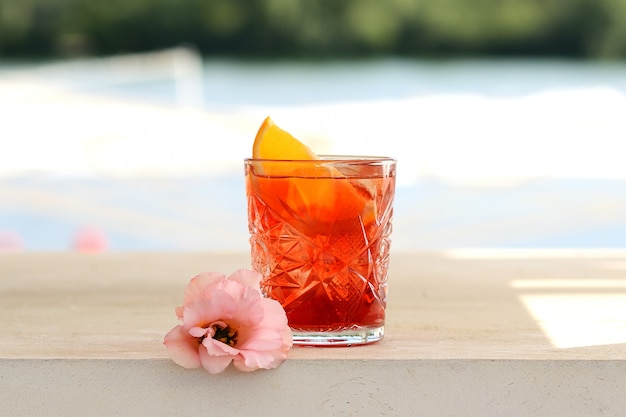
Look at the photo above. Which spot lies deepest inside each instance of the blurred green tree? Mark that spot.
(316, 28)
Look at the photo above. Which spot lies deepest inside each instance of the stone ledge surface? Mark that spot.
(468, 333)
(455, 387)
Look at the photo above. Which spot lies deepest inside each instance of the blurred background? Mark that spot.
(123, 124)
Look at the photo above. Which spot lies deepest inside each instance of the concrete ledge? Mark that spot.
(453, 387)
(473, 333)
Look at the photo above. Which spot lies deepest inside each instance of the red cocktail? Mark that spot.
(320, 234)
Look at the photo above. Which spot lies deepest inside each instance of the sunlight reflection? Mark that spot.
(537, 253)
(569, 283)
(594, 317)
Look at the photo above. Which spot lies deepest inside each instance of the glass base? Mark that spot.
(360, 336)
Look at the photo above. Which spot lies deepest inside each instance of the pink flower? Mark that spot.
(226, 319)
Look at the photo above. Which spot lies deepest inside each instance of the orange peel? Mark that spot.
(292, 185)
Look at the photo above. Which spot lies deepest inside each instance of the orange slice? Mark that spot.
(315, 195)
(272, 142)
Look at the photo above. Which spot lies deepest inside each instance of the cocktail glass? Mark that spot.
(320, 236)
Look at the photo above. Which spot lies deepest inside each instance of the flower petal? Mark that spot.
(249, 308)
(267, 344)
(247, 278)
(203, 311)
(197, 331)
(182, 347)
(197, 284)
(195, 288)
(214, 364)
(251, 360)
(216, 348)
(269, 332)
(261, 337)
(179, 312)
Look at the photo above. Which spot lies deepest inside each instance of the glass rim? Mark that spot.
(329, 158)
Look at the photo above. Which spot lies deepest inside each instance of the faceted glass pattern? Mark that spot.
(325, 258)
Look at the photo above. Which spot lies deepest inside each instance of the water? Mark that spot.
(236, 84)
(285, 83)
(282, 84)
(491, 154)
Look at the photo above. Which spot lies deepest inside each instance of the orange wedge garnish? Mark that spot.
(312, 194)
(272, 142)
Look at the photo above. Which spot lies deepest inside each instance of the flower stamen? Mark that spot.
(225, 334)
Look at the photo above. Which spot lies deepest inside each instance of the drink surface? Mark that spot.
(322, 245)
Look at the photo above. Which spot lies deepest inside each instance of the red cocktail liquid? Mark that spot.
(322, 243)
